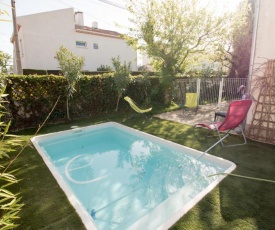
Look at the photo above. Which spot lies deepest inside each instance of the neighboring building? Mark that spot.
(143, 59)
(41, 35)
(144, 62)
(263, 47)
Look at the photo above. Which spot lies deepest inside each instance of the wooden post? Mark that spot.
(17, 57)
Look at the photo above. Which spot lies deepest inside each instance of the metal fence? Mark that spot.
(210, 90)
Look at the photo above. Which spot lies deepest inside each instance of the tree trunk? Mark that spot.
(67, 104)
(117, 102)
(167, 95)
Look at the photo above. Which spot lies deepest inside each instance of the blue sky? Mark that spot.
(107, 13)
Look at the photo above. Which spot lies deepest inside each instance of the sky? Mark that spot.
(108, 13)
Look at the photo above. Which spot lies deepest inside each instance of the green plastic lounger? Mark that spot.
(135, 107)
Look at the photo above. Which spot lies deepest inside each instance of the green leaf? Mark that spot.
(7, 128)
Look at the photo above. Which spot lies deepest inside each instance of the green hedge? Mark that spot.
(32, 97)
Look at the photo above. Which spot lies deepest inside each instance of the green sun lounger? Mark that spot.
(135, 107)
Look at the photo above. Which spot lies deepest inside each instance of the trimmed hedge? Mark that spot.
(32, 97)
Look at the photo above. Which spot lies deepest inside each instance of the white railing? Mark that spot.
(210, 90)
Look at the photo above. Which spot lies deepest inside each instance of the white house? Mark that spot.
(263, 49)
(41, 35)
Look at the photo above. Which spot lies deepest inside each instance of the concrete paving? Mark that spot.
(189, 116)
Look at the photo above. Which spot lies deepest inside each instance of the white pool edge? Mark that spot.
(80, 210)
(85, 216)
(176, 216)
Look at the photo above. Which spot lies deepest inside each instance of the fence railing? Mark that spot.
(210, 90)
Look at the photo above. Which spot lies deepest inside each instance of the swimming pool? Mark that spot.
(117, 177)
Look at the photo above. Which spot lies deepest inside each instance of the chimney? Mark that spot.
(95, 25)
(78, 18)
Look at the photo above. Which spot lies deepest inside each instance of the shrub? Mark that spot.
(71, 67)
(9, 202)
(31, 97)
(35, 71)
(104, 68)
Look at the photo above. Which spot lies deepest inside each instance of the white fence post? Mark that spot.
(220, 93)
(198, 88)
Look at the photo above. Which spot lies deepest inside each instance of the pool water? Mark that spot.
(121, 178)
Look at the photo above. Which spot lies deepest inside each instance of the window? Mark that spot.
(81, 44)
(95, 46)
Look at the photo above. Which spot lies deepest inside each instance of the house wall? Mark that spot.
(107, 49)
(263, 47)
(42, 34)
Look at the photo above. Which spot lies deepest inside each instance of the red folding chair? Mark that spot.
(235, 116)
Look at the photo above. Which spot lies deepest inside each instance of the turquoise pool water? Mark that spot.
(120, 178)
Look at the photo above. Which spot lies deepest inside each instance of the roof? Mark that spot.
(98, 32)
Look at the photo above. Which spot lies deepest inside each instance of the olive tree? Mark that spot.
(121, 77)
(71, 66)
(172, 31)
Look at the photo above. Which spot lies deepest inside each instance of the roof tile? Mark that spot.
(96, 31)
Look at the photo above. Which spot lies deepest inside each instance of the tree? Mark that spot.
(71, 66)
(242, 42)
(4, 62)
(171, 31)
(234, 48)
(121, 77)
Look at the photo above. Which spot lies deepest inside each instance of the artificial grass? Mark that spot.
(235, 204)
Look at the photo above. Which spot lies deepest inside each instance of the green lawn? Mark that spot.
(235, 204)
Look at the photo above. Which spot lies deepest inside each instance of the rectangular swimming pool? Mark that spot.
(117, 177)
